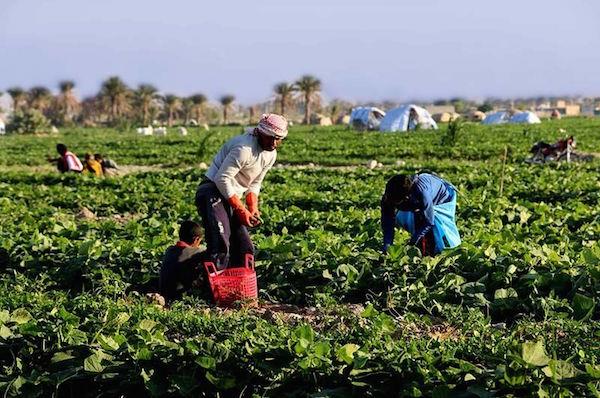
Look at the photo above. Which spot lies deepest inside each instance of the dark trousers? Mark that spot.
(227, 240)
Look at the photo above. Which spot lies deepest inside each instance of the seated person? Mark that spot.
(182, 263)
(92, 166)
(67, 160)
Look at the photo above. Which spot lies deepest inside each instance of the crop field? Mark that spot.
(513, 311)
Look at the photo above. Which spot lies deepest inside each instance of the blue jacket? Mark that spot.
(426, 191)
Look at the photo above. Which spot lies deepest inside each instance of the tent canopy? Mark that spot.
(525, 117)
(496, 118)
(397, 119)
(477, 116)
(366, 117)
(506, 117)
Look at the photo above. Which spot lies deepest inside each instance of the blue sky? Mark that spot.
(361, 50)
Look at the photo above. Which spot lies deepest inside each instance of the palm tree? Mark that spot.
(92, 110)
(66, 103)
(18, 97)
(172, 105)
(285, 93)
(226, 101)
(309, 86)
(187, 106)
(144, 95)
(117, 94)
(39, 98)
(198, 101)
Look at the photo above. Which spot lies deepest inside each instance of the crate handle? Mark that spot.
(249, 261)
(210, 268)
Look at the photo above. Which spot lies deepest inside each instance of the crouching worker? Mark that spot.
(238, 168)
(425, 206)
(92, 166)
(67, 161)
(182, 263)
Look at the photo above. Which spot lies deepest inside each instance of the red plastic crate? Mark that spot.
(232, 284)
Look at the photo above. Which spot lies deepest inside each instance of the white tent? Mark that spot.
(525, 117)
(397, 119)
(496, 118)
(366, 117)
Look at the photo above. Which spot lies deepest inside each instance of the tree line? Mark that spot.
(117, 103)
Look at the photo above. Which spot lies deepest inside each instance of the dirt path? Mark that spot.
(344, 316)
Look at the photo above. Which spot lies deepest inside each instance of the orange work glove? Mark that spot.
(252, 203)
(240, 211)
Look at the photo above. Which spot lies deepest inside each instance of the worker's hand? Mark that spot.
(256, 220)
(241, 212)
(252, 203)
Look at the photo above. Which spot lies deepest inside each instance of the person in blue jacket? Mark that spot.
(425, 206)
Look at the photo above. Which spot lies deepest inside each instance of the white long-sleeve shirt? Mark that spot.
(240, 166)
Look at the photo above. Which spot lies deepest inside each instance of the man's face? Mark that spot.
(268, 143)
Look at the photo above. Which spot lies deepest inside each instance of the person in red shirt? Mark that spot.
(181, 265)
(67, 161)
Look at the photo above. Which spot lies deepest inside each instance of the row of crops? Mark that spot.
(512, 312)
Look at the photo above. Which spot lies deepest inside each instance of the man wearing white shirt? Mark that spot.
(238, 168)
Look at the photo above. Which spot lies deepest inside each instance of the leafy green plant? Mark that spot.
(452, 133)
(29, 121)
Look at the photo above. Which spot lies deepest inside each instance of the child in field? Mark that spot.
(92, 166)
(182, 263)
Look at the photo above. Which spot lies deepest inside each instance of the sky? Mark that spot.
(361, 50)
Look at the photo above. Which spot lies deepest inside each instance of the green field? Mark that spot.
(512, 312)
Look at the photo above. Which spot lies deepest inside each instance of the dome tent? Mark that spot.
(366, 117)
(497, 118)
(320, 120)
(476, 116)
(525, 117)
(445, 117)
(397, 119)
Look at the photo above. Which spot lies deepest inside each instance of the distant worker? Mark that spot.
(424, 205)
(182, 262)
(238, 168)
(109, 166)
(67, 160)
(92, 166)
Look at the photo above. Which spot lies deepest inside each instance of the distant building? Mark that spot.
(565, 108)
(559, 103)
(591, 109)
